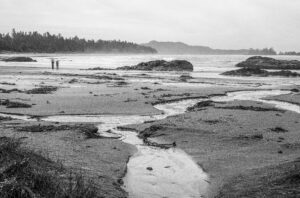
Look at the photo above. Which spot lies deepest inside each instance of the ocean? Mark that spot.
(205, 66)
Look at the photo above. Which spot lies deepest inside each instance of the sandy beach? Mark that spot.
(244, 145)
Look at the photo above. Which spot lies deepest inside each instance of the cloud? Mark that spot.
(215, 23)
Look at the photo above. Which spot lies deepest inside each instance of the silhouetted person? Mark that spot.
(52, 63)
(57, 64)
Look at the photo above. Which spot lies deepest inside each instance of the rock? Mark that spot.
(200, 105)
(10, 90)
(42, 90)
(161, 65)
(269, 63)
(257, 136)
(5, 118)
(19, 59)
(246, 72)
(251, 137)
(294, 90)
(13, 104)
(145, 88)
(185, 77)
(73, 80)
(279, 130)
(249, 108)
(149, 168)
(90, 131)
(254, 71)
(285, 73)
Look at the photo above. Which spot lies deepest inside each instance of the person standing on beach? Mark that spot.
(57, 64)
(52, 63)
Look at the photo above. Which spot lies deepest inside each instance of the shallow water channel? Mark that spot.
(154, 172)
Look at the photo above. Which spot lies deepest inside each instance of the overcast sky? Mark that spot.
(216, 23)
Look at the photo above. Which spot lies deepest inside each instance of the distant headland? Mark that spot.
(182, 48)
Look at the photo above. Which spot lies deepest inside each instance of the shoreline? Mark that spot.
(186, 129)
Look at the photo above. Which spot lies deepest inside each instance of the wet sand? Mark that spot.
(101, 160)
(229, 144)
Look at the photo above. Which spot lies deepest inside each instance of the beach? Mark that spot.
(242, 143)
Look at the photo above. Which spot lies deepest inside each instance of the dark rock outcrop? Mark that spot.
(161, 65)
(247, 71)
(294, 90)
(42, 90)
(185, 77)
(19, 59)
(200, 105)
(13, 104)
(249, 108)
(269, 63)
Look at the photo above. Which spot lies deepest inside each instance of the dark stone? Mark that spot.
(212, 121)
(42, 90)
(185, 77)
(19, 59)
(251, 137)
(5, 118)
(73, 81)
(149, 168)
(247, 71)
(10, 90)
(13, 104)
(269, 63)
(294, 90)
(249, 108)
(257, 136)
(145, 88)
(120, 181)
(90, 131)
(120, 84)
(161, 65)
(279, 130)
(200, 105)
(285, 73)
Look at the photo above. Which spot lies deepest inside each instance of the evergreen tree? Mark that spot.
(50, 43)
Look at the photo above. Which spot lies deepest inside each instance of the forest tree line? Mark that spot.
(265, 51)
(50, 43)
(290, 53)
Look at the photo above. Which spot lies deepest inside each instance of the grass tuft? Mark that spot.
(25, 174)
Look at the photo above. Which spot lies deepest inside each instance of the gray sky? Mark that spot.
(216, 23)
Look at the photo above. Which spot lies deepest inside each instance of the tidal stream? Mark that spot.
(154, 172)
